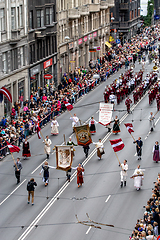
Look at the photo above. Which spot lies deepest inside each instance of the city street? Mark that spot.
(54, 214)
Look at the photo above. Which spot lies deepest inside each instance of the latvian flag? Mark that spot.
(117, 144)
(68, 105)
(38, 129)
(129, 127)
(13, 148)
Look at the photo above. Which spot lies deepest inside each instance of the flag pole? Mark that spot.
(134, 140)
(118, 160)
(64, 139)
(154, 115)
(14, 160)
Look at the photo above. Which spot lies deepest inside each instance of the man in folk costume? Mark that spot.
(128, 104)
(138, 177)
(54, 127)
(70, 142)
(18, 168)
(139, 145)
(45, 170)
(26, 149)
(47, 148)
(75, 121)
(123, 173)
(151, 120)
(100, 148)
(92, 126)
(155, 151)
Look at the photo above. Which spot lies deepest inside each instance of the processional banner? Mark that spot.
(83, 135)
(105, 113)
(64, 157)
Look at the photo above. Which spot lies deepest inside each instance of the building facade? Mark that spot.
(13, 50)
(83, 29)
(42, 43)
(125, 19)
(157, 7)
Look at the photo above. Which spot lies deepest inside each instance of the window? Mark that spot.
(4, 62)
(14, 59)
(40, 18)
(49, 16)
(31, 20)
(13, 18)
(2, 20)
(20, 16)
(22, 56)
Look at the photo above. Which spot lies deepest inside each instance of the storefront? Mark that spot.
(35, 78)
(7, 104)
(80, 44)
(21, 88)
(86, 52)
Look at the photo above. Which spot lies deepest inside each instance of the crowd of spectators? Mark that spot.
(148, 228)
(47, 102)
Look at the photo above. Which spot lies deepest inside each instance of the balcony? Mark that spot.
(123, 6)
(94, 7)
(73, 13)
(103, 4)
(62, 15)
(84, 10)
(110, 3)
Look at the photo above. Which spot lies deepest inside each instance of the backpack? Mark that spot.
(29, 186)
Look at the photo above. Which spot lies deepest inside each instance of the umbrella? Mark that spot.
(96, 76)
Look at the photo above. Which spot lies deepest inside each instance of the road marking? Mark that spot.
(38, 166)
(88, 230)
(150, 131)
(108, 198)
(12, 192)
(135, 154)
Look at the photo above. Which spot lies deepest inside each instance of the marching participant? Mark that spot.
(70, 142)
(86, 150)
(75, 120)
(139, 145)
(112, 98)
(100, 148)
(151, 119)
(155, 152)
(18, 168)
(47, 148)
(45, 170)
(116, 124)
(128, 103)
(54, 127)
(80, 172)
(138, 177)
(123, 173)
(92, 126)
(26, 149)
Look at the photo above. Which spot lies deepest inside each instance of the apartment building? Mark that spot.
(83, 29)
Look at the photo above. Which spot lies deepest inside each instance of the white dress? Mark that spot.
(47, 148)
(138, 179)
(54, 127)
(75, 121)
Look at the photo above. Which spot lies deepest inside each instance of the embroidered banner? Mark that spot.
(64, 157)
(83, 135)
(105, 113)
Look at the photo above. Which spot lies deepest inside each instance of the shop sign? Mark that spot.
(98, 48)
(71, 45)
(80, 41)
(85, 39)
(48, 76)
(90, 36)
(47, 63)
(92, 50)
(95, 34)
(34, 70)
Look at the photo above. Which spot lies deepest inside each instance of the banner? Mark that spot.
(105, 113)
(64, 157)
(83, 135)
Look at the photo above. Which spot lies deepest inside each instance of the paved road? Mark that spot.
(101, 196)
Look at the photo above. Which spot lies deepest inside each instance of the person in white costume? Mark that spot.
(123, 173)
(47, 147)
(100, 148)
(75, 120)
(138, 177)
(54, 127)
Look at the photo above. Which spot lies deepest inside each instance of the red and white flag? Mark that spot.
(117, 144)
(68, 105)
(5, 92)
(13, 148)
(129, 127)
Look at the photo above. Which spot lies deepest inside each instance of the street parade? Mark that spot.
(94, 138)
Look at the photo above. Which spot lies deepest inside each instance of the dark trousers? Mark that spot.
(86, 151)
(17, 174)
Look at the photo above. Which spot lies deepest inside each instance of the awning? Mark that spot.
(108, 44)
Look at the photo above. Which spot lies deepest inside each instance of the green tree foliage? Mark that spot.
(150, 8)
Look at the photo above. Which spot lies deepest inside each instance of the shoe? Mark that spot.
(28, 202)
(32, 204)
(121, 184)
(124, 183)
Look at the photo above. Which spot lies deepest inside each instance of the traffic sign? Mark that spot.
(158, 237)
(118, 41)
(48, 76)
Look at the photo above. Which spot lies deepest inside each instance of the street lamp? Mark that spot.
(67, 38)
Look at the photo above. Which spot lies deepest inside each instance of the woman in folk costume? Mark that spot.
(47, 147)
(54, 127)
(45, 170)
(26, 149)
(116, 124)
(156, 149)
(100, 148)
(138, 177)
(92, 126)
(70, 142)
(80, 172)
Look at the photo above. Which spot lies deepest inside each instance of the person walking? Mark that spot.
(151, 120)
(155, 151)
(54, 127)
(30, 188)
(138, 177)
(128, 104)
(18, 168)
(139, 145)
(92, 126)
(80, 172)
(116, 128)
(100, 148)
(45, 170)
(26, 149)
(86, 150)
(70, 142)
(123, 173)
(47, 147)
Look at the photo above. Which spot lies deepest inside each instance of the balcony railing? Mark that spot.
(73, 13)
(104, 4)
(62, 15)
(84, 10)
(124, 6)
(94, 7)
(110, 3)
